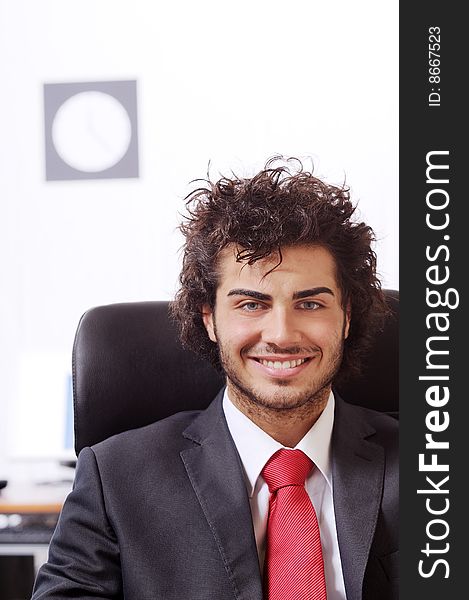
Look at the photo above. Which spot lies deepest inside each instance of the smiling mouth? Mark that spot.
(282, 364)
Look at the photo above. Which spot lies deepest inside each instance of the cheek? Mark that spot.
(325, 332)
(237, 335)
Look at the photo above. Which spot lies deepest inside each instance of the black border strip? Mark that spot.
(433, 401)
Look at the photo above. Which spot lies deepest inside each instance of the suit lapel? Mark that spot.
(215, 472)
(358, 474)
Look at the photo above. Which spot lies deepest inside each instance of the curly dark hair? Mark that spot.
(276, 208)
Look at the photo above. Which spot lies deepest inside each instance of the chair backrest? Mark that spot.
(129, 370)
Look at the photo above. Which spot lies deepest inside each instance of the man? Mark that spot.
(279, 489)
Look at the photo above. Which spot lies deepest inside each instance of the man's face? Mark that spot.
(280, 334)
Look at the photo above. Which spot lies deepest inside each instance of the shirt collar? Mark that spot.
(255, 446)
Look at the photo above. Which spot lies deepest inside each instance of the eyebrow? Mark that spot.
(266, 297)
(312, 292)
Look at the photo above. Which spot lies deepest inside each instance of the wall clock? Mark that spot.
(91, 130)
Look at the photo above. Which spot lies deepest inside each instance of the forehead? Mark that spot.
(302, 267)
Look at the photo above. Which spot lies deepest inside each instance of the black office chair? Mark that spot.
(130, 370)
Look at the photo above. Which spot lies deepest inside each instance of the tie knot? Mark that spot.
(286, 467)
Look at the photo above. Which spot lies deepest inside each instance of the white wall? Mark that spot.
(230, 82)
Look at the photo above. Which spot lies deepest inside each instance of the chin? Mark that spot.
(283, 399)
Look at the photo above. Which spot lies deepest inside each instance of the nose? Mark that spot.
(280, 328)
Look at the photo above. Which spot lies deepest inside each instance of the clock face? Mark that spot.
(91, 131)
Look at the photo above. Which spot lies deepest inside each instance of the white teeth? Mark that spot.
(286, 364)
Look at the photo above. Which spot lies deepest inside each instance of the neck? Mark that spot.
(286, 425)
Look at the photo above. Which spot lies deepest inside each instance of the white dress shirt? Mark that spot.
(255, 447)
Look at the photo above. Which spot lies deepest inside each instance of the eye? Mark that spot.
(251, 306)
(310, 305)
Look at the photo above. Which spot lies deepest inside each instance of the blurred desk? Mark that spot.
(28, 516)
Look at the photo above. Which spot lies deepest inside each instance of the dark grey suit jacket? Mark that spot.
(162, 512)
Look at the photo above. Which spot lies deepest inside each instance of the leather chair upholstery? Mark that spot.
(129, 370)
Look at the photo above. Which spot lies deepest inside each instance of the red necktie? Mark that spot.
(293, 568)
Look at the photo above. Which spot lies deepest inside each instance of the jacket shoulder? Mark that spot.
(162, 436)
(378, 427)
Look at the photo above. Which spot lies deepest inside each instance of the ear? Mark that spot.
(208, 319)
(348, 316)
